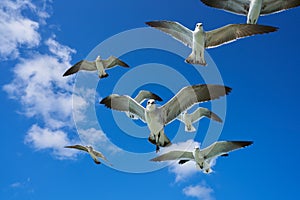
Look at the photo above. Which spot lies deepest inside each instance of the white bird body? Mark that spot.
(203, 157)
(254, 11)
(197, 55)
(140, 98)
(186, 119)
(100, 67)
(157, 117)
(198, 114)
(199, 40)
(252, 8)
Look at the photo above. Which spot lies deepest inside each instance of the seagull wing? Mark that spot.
(190, 95)
(99, 154)
(144, 94)
(174, 155)
(113, 61)
(273, 6)
(81, 65)
(235, 6)
(174, 29)
(77, 146)
(223, 147)
(204, 112)
(232, 32)
(125, 104)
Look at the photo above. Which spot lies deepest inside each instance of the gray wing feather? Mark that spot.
(273, 6)
(235, 6)
(144, 94)
(77, 146)
(100, 155)
(81, 65)
(174, 29)
(233, 32)
(125, 104)
(190, 95)
(223, 147)
(204, 112)
(174, 155)
(113, 61)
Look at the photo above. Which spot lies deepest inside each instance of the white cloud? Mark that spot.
(45, 138)
(40, 88)
(200, 191)
(15, 29)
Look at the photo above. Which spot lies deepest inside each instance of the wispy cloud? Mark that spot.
(37, 83)
(200, 191)
(16, 30)
(45, 138)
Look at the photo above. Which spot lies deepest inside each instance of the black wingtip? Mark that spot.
(228, 90)
(106, 101)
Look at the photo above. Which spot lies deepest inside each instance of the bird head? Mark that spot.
(199, 26)
(150, 104)
(98, 58)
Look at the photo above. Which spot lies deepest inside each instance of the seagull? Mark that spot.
(252, 8)
(157, 117)
(203, 157)
(199, 40)
(99, 64)
(93, 153)
(189, 119)
(140, 98)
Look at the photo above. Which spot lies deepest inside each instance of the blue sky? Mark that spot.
(41, 111)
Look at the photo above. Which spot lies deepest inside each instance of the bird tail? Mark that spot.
(190, 128)
(191, 59)
(163, 140)
(103, 76)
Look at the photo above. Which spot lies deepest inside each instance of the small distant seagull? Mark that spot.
(199, 40)
(189, 119)
(99, 65)
(252, 8)
(140, 98)
(203, 157)
(93, 153)
(157, 117)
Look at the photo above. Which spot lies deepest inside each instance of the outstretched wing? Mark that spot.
(273, 6)
(125, 104)
(233, 32)
(204, 112)
(223, 147)
(236, 6)
(191, 95)
(174, 155)
(174, 29)
(77, 146)
(113, 61)
(81, 65)
(144, 94)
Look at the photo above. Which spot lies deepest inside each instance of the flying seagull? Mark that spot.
(252, 8)
(189, 119)
(140, 98)
(157, 117)
(199, 39)
(93, 153)
(203, 157)
(99, 64)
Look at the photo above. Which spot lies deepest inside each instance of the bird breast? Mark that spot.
(154, 120)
